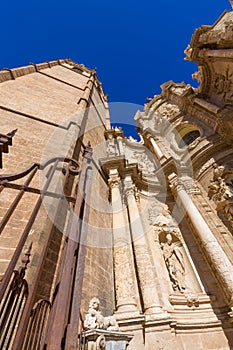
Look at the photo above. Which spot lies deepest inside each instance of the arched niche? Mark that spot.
(181, 270)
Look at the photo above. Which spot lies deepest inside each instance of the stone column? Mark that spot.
(215, 254)
(143, 259)
(126, 290)
(157, 150)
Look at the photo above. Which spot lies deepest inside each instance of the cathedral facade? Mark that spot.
(108, 242)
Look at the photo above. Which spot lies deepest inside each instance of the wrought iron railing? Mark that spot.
(25, 324)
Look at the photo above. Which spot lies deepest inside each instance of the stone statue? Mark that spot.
(221, 191)
(175, 263)
(111, 149)
(95, 320)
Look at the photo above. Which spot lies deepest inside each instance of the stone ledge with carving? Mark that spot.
(99, 339)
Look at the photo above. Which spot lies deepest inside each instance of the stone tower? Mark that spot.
(144, 226)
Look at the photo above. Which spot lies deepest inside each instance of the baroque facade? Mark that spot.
(143, 229)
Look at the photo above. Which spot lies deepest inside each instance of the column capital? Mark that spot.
(130, 188)
(114, 179)
(186, 183)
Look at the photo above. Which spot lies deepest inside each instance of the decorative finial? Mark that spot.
(25, 261)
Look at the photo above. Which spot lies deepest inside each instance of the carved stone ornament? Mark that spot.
(160, 216)
(180, 90)
(192, 299)
(223, 84)
(95, 320)
(186, 183)
(221, 191)
(111, 147)
(199, 76)
(205, 166)
(219, 35)
(188, 52)
(144, 163)
(124, 280)
(168, 110)
(100, 343)
(131, 190)
(114, 181)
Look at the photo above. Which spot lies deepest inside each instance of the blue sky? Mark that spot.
(135, 45)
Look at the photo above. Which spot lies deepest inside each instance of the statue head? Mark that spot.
(169, 238)
(94, 304)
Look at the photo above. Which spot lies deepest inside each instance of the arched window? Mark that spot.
(187, 133)
(189, 137)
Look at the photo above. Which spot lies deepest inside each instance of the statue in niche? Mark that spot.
(95, 320)
(175, 262)
(221, 191)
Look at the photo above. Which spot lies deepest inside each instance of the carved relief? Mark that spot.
(168, 110)
(160, 217)
(144, 163)
(221, 191)
(205, 166)
(223, 84)
(124, 279)
(146, 274)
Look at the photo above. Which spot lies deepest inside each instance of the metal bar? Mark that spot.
(37, 191)
(23, 293)
(60, 314)
(16, 200)
(8, 318)
(7, 312)
(28, 307)
(23, 238)
(42, 324)
(73, 327)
